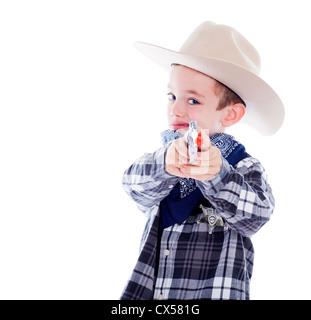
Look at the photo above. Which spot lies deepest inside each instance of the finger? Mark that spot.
(173, 156)
(200, 163)
(207, 158)
(214, 153)
(203, 155)
(194, 171)
(191, 171)
(181, 159)
(175, 171)
(181, 147)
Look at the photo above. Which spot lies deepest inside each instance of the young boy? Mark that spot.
(196, 244)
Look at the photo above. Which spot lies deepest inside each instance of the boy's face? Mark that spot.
(191, 97)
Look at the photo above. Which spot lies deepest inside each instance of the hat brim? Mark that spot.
(264, 109)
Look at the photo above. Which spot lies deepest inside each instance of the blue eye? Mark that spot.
(171, 97)
(193, 101)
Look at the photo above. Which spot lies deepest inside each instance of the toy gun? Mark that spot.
(191, 137)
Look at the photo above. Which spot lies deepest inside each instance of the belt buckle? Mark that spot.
(211, 218)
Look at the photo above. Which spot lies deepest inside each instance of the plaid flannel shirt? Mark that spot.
(191, 263)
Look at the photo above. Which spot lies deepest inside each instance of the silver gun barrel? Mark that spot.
(191, 136)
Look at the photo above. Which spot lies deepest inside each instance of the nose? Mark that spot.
(178, 109)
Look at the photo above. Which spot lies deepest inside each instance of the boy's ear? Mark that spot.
(233, 115)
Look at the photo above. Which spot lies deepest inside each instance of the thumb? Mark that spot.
(203, 140)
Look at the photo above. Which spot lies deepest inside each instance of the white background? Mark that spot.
(78, 104)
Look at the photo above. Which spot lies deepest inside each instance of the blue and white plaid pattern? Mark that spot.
(192, 264)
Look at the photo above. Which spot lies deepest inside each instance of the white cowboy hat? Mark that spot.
(224, 54)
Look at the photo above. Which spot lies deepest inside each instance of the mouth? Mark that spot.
(179, 125)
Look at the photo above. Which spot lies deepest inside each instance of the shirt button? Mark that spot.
(166, 252)
(171, 186)
(160, 296)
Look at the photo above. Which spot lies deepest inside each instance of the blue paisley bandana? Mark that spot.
(224, 142)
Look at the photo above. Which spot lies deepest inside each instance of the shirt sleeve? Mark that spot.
(241, 195)
(146, 180)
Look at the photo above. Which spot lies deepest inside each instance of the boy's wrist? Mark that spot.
(213, 185)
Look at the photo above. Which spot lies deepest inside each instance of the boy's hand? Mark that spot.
(206, 165)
